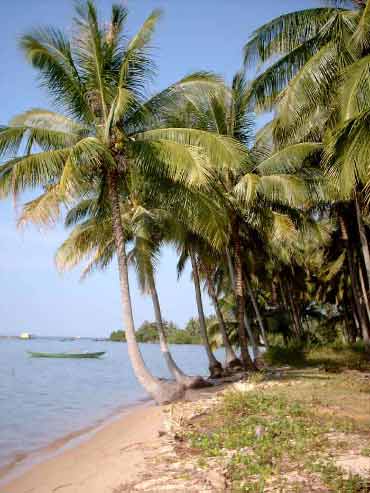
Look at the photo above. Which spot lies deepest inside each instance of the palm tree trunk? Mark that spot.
(247, 325)
(162, 392)
(363, 239)
(364, 292)
(295, 317)
(357, 299)
(230, 357)
(239, 294)
(215, 367)
(180, 377)
(365, 330)
(354, 299)
(257, 311)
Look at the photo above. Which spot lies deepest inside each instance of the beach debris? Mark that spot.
(244, 386)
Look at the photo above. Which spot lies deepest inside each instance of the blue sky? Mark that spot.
(193, 35)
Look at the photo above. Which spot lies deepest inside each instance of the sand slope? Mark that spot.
(114, 455)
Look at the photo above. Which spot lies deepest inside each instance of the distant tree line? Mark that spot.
(148, 332)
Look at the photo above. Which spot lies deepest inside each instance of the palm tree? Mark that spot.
(258, 193)
(187, 245)
(305, 52)
(326, 99)
(99, 81)
(93, 240)
(206, 261)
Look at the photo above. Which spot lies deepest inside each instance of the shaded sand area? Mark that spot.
(285, 430)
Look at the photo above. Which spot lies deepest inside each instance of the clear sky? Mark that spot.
(193, 35)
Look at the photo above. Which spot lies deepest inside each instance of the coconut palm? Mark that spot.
(303, 54)
(105, 125)
(327, 92)
(258, 193)
(188, 244)
(92, 239)
(208, 263)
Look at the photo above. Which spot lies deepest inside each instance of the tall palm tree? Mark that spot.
(327, 96)
(257, 193)
(99, 81)
(188, 245)
(304, 52)
(207, 259)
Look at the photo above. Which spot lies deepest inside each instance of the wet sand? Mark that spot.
(103, 459)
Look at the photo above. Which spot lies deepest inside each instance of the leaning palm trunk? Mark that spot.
(162, 392)
(215, 367)
(243, 322)
(363, 240)
(257, 311)
(180, 377)
(231, 359)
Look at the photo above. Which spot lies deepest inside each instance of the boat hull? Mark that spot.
(66, 355)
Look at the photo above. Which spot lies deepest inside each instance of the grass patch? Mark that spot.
(333, 357)
(365, 452)
(282, 435)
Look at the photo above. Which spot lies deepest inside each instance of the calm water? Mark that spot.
(42, 400)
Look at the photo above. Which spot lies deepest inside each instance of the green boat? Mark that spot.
(66, 355)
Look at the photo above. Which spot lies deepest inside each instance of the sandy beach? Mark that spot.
(113, 455)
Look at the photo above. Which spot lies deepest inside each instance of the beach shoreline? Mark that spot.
(89, 460)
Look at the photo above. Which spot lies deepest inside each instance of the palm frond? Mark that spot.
(355, 88)
(361, 36)
(178, 161)
(289, 159)
(90, 39)
(50, 53)
(285, 33)
(222, 151)
(45, 210)
(136, 66)
(32, 171)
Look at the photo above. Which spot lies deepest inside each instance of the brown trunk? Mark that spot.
(363, 239)
(283, 297)
(357, 309)
(257, 311)
(230, 356)
(215, 367)
(365, 307)
(162, 392)
(295, 316)
(274, 295)
(365, 298)
(362, 318)
(247, 324)
(180, 377)
(240, 303)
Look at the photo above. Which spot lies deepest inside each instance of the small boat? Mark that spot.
(65, 355)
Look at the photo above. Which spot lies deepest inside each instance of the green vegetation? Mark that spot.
(331, 357)
(148, 332)
(269, 437)
(274, 222)
(117, 336)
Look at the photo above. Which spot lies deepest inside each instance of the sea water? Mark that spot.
(43, 400)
